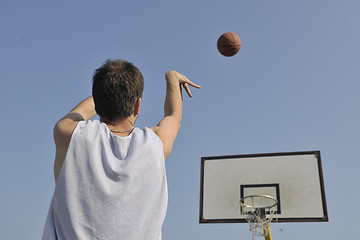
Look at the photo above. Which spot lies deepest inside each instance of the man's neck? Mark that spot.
(121, 127)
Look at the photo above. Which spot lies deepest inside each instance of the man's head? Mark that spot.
(117, 87)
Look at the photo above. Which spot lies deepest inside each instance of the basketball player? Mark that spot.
(110, 176)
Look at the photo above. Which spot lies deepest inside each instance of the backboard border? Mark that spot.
(317, 154)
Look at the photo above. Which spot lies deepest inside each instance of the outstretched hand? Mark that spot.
(182, 80)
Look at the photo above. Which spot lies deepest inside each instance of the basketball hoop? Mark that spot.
(259, 211)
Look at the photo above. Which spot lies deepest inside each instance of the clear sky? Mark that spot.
(294, 86)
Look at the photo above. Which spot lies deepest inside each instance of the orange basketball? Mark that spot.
(229, 44)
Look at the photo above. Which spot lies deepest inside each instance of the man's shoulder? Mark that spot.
(65, 127)
(167, 138)
(147, 132)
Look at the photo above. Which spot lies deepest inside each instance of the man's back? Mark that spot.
(109, 187)
(110, 180)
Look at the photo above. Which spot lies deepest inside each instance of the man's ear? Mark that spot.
(137, 107)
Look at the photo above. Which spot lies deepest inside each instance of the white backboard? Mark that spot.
(294, 179)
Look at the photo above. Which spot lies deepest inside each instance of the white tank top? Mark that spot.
(109, 187)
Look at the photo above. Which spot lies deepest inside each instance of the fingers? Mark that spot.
(186, 80)
(183, 81)
(193, 84)
(186, 87)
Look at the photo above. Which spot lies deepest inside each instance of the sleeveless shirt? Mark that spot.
(109, 187)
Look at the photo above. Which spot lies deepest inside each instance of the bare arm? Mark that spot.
(169, 126)
(64, 128)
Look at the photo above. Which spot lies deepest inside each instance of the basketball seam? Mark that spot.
(230, 50)
(227, 40)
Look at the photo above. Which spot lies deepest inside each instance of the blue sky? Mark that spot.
(292, 87)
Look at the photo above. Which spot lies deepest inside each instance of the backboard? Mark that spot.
(294, 179)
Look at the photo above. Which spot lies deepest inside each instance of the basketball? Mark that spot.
(229, 44)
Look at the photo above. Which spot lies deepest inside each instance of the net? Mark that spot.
(259, 211)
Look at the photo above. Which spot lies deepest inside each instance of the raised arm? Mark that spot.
(64, 128)
(169, 126)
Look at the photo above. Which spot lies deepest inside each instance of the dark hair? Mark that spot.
(117, 85)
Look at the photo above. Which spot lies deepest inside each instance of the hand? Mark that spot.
(182, 80)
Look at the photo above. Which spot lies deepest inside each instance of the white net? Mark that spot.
(259, 211)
